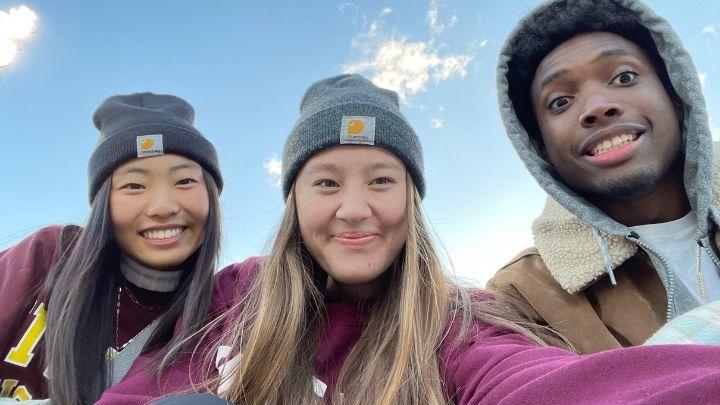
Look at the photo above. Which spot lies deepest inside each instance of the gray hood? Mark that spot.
(548, 25)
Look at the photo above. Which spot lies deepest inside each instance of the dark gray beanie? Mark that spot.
(350, 110)
(144, 125)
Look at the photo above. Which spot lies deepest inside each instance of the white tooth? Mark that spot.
(624, 137)
(616, 141)
(606, 144)
(155, 235)
(633, 137)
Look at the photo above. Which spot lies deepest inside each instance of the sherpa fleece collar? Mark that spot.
(572, 253)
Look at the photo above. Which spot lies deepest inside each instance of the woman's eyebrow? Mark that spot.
(384, 165)
(138, 170)
(326, 167)
(184, 166)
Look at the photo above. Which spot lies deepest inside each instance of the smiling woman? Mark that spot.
(159, 207)
(115, 287)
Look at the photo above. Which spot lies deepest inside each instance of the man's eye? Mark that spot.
(559, 102)
(624, 78)
(132, 186)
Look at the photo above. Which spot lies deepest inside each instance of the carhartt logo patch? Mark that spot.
(357, 130)
(150, 145)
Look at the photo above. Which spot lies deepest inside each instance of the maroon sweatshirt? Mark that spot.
(23, 270)
(492, 366)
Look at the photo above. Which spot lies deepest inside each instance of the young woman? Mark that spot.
(352, 305)
(101, 294)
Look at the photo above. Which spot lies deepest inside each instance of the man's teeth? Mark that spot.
(162, 234)
(610, 144)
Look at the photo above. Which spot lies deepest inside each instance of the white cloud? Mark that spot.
(703, 78)
(400, 64)
(710, 29)
(441, 108)
(433, 19)
(406, 67)
(437, 122)
(273, 166)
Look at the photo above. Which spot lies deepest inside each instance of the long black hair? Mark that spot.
(81, 291)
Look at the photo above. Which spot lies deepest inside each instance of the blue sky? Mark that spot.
(245, 65)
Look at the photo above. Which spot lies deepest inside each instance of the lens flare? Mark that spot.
(18, 23)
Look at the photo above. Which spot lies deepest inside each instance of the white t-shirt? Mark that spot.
(675, 241)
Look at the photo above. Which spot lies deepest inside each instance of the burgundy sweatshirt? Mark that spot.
(23, 270)
(492, 366)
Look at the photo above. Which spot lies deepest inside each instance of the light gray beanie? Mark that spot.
(143, 125)
(350, 110)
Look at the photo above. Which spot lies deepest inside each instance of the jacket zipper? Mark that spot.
(665, 267)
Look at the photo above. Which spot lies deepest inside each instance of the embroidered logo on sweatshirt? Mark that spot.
(357, 130)
(150, 145)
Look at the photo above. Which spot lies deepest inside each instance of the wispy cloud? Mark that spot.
(433, 19)
(358, 18)
(710, 29)
(393, 61)
(437, 123)
(703, 78)
(273, 166)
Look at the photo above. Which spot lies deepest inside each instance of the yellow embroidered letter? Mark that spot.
(21, 354)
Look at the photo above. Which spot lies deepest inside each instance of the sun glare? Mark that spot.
(16, 25)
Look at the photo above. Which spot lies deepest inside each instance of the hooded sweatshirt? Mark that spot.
(491, 365)
(579, 243)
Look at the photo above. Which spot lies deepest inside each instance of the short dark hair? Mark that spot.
(558, 22)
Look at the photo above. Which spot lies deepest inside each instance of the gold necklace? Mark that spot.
(113, 351)
(134, 299)
(117, 320)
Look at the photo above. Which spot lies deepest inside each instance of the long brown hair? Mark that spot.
(81, 290)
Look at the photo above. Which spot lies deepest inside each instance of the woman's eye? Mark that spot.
(186, 181)
(382, 181)
(132, 186)
(559, 102)
(325, 183)
(624, 78)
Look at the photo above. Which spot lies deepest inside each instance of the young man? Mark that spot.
(605, 108)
